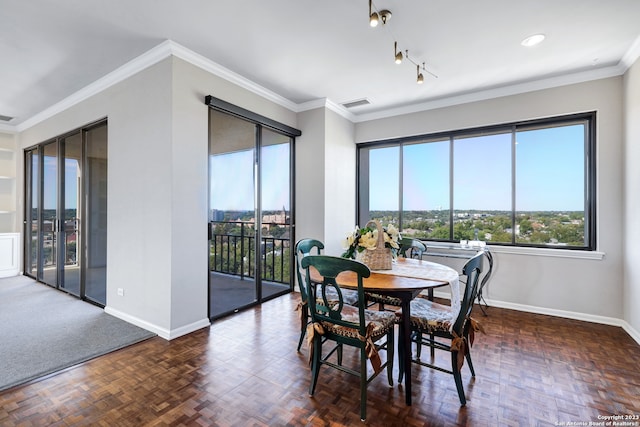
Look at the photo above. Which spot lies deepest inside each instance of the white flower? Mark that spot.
(393, 232)
(346, 243)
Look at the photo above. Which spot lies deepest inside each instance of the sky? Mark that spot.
(549, 176)
(50, 182)
(232, 179)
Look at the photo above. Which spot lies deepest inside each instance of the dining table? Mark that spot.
(406, 279)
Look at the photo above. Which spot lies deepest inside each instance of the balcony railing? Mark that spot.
(232, 251)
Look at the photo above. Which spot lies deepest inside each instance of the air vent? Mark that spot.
(5, 118)
(356, 103)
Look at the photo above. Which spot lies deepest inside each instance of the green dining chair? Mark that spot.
(341, 324)
(435, 320)
(412, 247)
(303, 248)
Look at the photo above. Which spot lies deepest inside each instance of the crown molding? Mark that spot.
(156, 54)
(632, 55)
(170, 48)
(483, 95)
(147, 59)
(328, 104)
(214, 68)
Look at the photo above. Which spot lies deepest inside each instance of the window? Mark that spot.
(524, 184)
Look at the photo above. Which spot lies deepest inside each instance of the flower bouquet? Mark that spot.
(375, 246)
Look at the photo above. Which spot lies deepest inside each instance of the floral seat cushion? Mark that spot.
(382, 321)
(428, 316)
(389, 300)
(348, 296)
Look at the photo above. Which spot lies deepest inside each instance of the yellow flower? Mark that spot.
(369, 240)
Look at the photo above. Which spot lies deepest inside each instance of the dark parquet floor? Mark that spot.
(531, 370)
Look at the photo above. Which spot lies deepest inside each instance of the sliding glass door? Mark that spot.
(232, 210)
(48, 269)
(71, 155)
(65, 213)
(275, 211)
(250, 231)
(94, 211)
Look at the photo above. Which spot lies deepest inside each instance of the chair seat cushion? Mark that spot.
(428, 316)
(384, 299)
(382, 321)
(349, 296)
(389, 300)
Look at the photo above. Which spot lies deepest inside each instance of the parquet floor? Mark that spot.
(531, 370)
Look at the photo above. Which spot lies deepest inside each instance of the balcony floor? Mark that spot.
(228, 293)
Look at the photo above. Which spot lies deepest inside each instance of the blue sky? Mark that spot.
(50, 180)
(232, 179)
(549, 176)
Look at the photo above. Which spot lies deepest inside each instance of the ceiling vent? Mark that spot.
(356, 103)
(5, 118)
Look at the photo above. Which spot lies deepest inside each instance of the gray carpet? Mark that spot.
(43, 331)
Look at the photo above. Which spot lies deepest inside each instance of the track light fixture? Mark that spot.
(377, 16)
(398, 54)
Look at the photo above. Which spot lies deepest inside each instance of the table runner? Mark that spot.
(427, 270)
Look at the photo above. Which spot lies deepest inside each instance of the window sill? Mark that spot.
(554, 253)
(546, 252)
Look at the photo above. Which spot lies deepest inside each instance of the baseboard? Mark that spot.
(161, 332)
(187, 329)
(559, 313)
(632, 332)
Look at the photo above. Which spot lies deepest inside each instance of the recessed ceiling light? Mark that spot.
(532, 40)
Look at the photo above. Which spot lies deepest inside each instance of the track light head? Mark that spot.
(420, 76)
(373, 19)
(373, 16)
(398, 55)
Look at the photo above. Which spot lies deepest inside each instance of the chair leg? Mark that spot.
(304, 319)
(401, 351)
(418, 344)
(457, 377)
(315, 363)
(340, 354)
(390, 351)
(468, 357)
(363, 384)
(433, 349)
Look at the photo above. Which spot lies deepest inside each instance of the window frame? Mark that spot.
(590, 173)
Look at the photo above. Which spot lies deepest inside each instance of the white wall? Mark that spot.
(310, 175)
(582, 288)
(325, 178)
(190, 186)
(157, 188)
(340, 182)
(632, 196)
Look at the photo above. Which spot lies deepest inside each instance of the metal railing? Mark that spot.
(232, 251)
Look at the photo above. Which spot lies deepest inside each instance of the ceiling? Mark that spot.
(306, 50)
